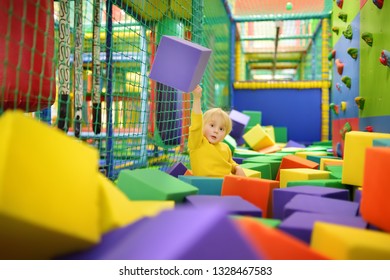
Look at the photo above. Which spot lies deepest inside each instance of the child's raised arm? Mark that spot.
(197, 96)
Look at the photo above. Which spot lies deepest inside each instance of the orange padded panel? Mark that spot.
(375, 206)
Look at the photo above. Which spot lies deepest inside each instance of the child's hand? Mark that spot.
(240, 171)
(197, 92)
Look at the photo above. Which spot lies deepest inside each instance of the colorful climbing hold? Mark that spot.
(353, 52)
(343, 106)
(343, 16)
(348, 32)
(332, 55)
(367, 37)
(289, 6)
(339, 66)
(340, 3)
(336, 29)
(360, 102)
(338, 86)
(369, 128)
(334, 108)
(385, 58)
(347, 81)
(378, 3)
(346, 128)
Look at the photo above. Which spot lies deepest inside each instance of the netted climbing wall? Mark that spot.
(83, 66)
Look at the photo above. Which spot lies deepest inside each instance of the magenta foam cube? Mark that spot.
(179, 63)
(300, 224)
(239, 121)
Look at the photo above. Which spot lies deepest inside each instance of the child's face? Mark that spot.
(214, 130)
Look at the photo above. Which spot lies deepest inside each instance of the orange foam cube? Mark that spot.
(375, 206)
(255, 190)
(273, 244)
(292, 161)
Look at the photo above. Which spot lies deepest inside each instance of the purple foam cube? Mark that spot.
(282, 196)
(177, 169)
(292, 143)
(109, 243)
(186, 233)
(179, 63)
(357, 195)
(240, 141)
(238, 160)
(239, 121)
(317, 204)
(300, 224)
(234, 205)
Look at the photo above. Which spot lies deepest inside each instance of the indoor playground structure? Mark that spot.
(95, 105)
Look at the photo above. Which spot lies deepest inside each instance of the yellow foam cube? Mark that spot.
(257, 138)
(292, 149)
(271, 131)
(116, 208)
(299, 174)
(151, 208)
(348, 243)
(304, 154)
(356, 143)
(281, 145)
(325, 161)
(49, 193)
(118, 211)
(252, 173)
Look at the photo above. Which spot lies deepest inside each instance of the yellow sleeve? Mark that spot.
(196, 131)
(233, 163)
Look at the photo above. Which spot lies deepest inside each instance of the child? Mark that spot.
(209, 156)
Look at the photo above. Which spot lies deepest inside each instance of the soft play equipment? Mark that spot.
(28, 71)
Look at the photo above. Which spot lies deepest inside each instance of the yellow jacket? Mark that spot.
(208, 159)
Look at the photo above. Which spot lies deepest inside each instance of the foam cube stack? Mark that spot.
(292, 161)
(296, 174)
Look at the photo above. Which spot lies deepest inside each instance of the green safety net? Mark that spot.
(83, 66)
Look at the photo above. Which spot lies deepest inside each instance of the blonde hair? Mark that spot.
(218, 113)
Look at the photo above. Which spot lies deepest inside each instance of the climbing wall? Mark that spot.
(360, 81)
(375, 77)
